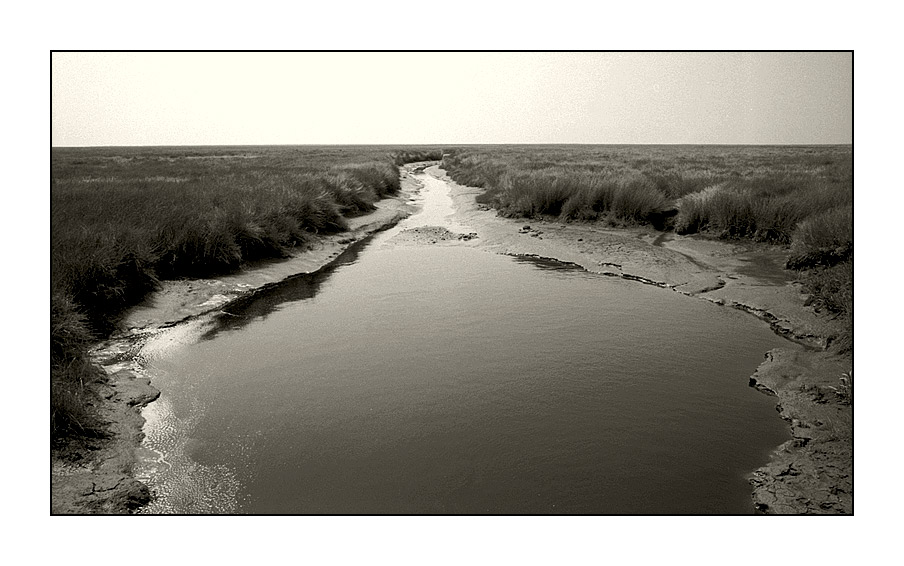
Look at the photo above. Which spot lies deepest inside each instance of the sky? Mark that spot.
(451, 98)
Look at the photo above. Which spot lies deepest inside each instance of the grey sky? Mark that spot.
(446, 98)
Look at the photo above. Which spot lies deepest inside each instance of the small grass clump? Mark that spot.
(71, 372)
(824, 239)
(832, 290)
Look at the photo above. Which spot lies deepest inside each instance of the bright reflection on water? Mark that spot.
(449, 380)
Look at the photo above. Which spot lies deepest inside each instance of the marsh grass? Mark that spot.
(796, 196)
(71, 372)
(831, 290)
(122, 219)
(824, 239)
(760, 193)
(764, 209)
(402, 157)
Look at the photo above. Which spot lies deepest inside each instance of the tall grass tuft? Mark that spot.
(824, 239)
(71, 372)
(637, 200)
(832, 290)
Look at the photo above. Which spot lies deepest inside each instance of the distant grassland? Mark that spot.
(124, 218)
(799, 196)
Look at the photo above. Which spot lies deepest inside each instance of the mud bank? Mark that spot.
(95, 476)
(813, 471)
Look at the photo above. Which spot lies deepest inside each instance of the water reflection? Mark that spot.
(257, 306)
(549, 264)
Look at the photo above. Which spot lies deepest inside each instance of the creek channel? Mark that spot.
(418, 373)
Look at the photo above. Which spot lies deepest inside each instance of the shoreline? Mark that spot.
(810, 473)
(95, 476)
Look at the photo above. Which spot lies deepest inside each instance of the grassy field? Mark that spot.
(796, 196)
(124, 218)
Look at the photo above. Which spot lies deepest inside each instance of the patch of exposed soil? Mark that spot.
(813, 472)
(428, 235)
(94, 475)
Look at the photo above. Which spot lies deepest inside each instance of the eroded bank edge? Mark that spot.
(796, 479)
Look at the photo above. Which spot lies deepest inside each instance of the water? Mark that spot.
(445, 379)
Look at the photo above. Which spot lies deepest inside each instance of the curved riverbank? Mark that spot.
(95, 476)
(813, 471)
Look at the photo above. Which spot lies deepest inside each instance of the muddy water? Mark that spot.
(413, 377)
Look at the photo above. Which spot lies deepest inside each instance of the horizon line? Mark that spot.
(765, 144)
